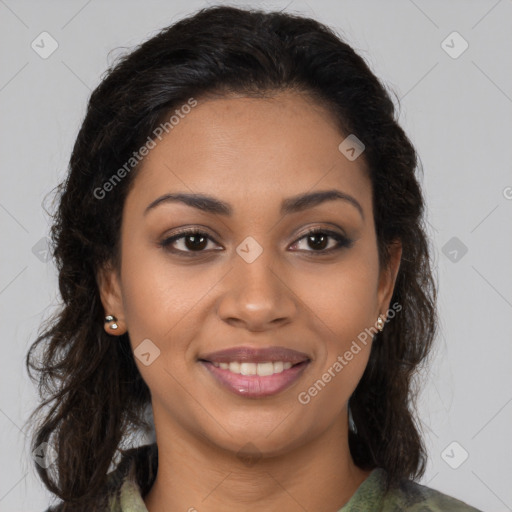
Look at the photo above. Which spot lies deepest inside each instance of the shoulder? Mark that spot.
(414, 497)
(125, 486)
(408, 496)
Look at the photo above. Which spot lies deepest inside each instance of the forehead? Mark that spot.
(252, 151)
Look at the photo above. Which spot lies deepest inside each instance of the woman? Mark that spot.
(240, 246)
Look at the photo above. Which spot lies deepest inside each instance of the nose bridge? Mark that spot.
(255, 293)
(255, 274)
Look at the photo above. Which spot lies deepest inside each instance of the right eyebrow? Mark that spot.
(201, 202)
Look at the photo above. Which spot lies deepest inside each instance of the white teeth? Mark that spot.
(248, 368)
(234, 367)
(261, 369)
(278, 366)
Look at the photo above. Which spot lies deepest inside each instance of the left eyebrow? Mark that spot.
(294, 204)
(304, 201)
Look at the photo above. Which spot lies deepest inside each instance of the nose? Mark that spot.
(256, 295)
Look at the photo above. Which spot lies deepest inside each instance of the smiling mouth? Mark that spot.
(261, 369)
(255, 380)
(255, 372)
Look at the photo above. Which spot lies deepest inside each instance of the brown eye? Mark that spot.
(195, 242)
(318, 240)
(191, 241)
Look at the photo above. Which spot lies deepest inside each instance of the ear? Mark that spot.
(387, 277)
(109, 287)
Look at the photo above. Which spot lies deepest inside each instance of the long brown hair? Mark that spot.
(92, 393)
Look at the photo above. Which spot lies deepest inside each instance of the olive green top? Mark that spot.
(135, 474)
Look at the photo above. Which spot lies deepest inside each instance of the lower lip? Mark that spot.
(255, 386)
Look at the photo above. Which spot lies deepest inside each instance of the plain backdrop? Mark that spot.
(449, 64)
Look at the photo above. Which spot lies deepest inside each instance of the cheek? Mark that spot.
(157, 295)
(158, 302)
(343, 303)
(343, 297)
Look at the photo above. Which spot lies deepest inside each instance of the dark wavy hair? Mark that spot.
(92, 391)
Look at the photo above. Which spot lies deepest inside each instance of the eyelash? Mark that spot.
(342, 241)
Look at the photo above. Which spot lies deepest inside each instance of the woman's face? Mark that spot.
(252, 279)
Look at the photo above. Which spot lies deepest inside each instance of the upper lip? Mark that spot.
(255, 355)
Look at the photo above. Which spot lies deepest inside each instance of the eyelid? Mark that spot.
(182, 233)
(342, 241)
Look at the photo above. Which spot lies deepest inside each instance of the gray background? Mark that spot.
(457, 112)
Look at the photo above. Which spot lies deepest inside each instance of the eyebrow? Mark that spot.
(290, 205)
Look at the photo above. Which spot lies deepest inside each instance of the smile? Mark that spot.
(255, 380)
(261, 369)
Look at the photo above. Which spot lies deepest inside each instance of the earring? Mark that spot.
(380, 323)
(113, 319)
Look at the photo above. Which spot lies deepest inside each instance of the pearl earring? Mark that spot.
(113, 319)
(380, 323)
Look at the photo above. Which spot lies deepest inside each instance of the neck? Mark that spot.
(194, 475)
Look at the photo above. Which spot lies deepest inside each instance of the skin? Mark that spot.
(251, 153)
